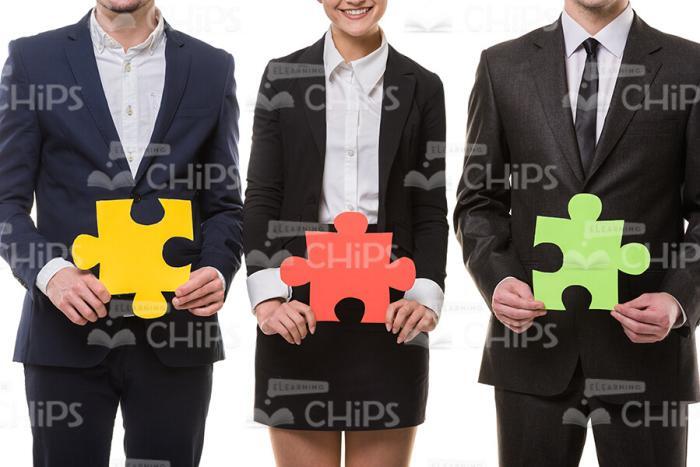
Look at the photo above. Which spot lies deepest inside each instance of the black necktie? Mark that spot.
(587, 106)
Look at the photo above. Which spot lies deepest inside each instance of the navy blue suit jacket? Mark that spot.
(58, 143)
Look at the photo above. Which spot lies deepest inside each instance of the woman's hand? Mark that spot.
(410, 318)
(291, 320)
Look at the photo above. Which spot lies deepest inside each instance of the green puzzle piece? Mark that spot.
(593, 255)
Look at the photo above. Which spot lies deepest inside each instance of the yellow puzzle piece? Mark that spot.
(130, 255)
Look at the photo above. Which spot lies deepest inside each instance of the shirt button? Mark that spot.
(350, 207)
(351, 153)
(130, 111)
(127, 67)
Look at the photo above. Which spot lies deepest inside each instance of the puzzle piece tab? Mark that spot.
(349, 264)
(130, 254)
(593, 254)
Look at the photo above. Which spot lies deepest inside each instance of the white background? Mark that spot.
(460, 430)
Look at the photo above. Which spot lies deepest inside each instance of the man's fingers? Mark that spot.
(208, 288)
(207, 300)
(643, 316)
(98, 288)
(95, 303)
(81, 307)
(70, 312)
(197, 279)
(516, 325)
(207, 310)
(518, 314)
(640, 338)
(516, 301)
(642, 301)
(522, 290)
(636, 326)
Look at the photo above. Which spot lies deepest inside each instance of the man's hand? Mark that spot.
(515, 306)
(293, 321)
(203, 294)
(649, 318)
(409, 317)
(79, 295)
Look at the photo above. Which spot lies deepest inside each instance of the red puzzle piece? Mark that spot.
(349, 264)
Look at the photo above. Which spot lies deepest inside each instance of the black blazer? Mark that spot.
(55, 155)
(287, 161)
(646, 170)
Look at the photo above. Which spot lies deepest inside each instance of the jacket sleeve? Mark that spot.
(265, 187)
(430, 226)
(482, 217)
(220, 201)
(683, 280)
(21, 244)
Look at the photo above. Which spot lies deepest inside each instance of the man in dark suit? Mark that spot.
(117, 106)
(598, 102)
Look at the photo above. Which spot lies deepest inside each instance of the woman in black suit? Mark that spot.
(347, 124)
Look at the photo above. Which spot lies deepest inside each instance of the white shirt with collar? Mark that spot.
(354, 95)
(133, 82)
(612, 39)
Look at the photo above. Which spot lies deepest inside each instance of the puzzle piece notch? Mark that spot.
(130, 255)
(592, 252)
(340, 266)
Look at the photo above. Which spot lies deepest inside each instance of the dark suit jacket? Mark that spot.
(646, 170)
(287, 161)
(69, 157)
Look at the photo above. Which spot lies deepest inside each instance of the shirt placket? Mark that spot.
(130, 108)
(352, 125)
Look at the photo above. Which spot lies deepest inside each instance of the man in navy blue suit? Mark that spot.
(117, 106)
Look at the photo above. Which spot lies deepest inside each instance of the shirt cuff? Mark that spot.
(265, 285)
(683, 318)
(49, 270)
(428, 294)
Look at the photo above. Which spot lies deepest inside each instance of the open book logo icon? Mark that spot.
(598, 416)
(122, 338)
(283, 100)
(279, 417)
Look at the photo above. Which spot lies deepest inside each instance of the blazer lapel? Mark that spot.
(177, 72)
(81, 57)
(399, 87)
(639, 68)
(549, 73)
(311, 93)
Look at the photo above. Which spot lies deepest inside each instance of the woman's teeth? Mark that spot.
(357, 12)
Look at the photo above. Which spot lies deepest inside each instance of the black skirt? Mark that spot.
(347, 376)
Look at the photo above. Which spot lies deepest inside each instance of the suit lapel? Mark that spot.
(549, 73)
(177, 72)
(81, 57)
(639, 68)
(399, 87)
(311, 92)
